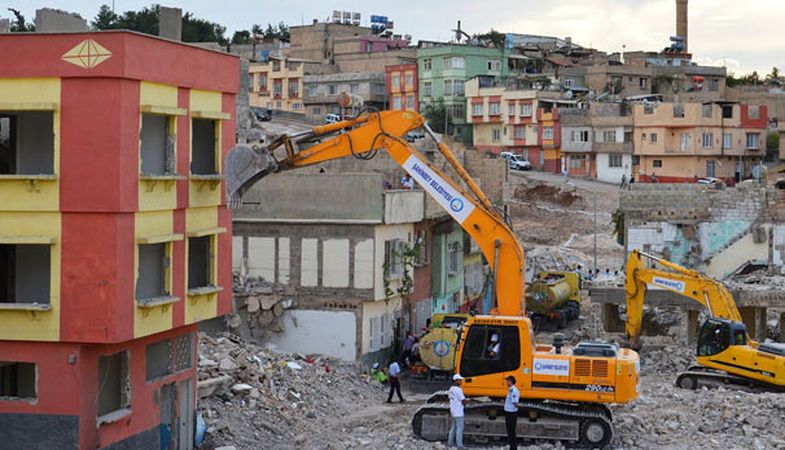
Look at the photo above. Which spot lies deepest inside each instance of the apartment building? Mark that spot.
(680, 142)
(522, 121)
(277, 84)
(443, 68)
(363, 89)
(402, 87)
(619, 80)
(114, 235)
(612, 129)
(343, 240)
(349, 47)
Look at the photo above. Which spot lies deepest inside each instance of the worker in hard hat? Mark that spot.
(457, 402)
(377, 374)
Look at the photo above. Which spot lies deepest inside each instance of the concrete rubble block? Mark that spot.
(48, 20)
(170, 23)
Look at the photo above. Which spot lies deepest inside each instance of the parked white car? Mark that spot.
(517, 162)
(507, 155)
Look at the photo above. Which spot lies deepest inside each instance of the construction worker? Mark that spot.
(394, 372)
(457, 402)
(408, 343)
(493, 348)
(511, 403)
(377, 374)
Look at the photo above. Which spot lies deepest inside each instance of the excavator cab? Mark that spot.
(716, 335)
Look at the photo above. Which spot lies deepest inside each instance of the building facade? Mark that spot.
(402, 87)
(680, 142)
(277, 84)
(364, 89)
(114, 235)
(442, 71)
(341, 241)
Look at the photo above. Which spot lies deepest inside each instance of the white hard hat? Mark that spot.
(494, 338)
(457, 377)
(375, 365)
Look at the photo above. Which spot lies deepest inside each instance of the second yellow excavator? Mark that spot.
(726, 354)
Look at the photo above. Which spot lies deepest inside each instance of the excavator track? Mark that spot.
(696, 377)
(574, 425)
(438, 397)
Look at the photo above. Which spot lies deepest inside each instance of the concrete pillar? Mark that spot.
(55, 21)
(5, 25)
(689, 328)
(610, 318)
(170, 23)
(761, 327)
(755, 321)
(782, 327)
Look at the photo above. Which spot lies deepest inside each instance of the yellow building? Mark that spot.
(277, 84)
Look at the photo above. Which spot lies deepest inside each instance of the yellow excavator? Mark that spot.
(564, 391)
(726, 354)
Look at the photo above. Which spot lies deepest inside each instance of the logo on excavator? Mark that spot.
(456, 205)
(673, 285)
(551, 367)
(449, 197)
(441, 348)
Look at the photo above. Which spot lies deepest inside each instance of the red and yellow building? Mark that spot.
(114, 234)
(402, 87)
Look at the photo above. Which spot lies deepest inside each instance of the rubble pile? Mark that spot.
(668, 417)
(253, 397)
(261, 305)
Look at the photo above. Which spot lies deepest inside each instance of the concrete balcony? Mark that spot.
(404, 206)
(613, 147)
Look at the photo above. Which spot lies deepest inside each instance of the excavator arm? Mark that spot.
(691, 284)
(367, 134)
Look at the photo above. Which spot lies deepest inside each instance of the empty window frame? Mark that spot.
(159, 359)
(727, 111)
(204, 146)
(653, 137)
(157, 144)
(25, 273)
(657, 163)
(394, 250)
(114, 383)
(678, 110)
(17, 381)
(27, 143)
(200, 262)
(153, 274)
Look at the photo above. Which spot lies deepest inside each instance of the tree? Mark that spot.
(200, 30)
(280, 32)
(144, 21)
(257, 29)
(106, 19)
(241, 37)
(774, 78)
(492, 38)
(435, 115)
(20, 23)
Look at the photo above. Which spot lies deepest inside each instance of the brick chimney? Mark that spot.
(681, 21)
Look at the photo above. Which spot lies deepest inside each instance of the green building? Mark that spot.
(443, 68)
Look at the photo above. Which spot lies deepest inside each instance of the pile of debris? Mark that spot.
(251, 395)
(260, 305)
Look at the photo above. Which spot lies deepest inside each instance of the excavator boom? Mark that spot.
(368, 134)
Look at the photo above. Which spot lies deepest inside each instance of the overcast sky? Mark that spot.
(744, 35)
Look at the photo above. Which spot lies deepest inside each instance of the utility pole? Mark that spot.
(595, 232)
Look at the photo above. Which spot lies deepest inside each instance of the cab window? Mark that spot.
(714, 338)
(479, 357)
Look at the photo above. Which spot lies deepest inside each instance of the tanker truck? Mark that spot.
(554, 299)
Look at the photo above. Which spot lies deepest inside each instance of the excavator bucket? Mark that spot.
(244, 166)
